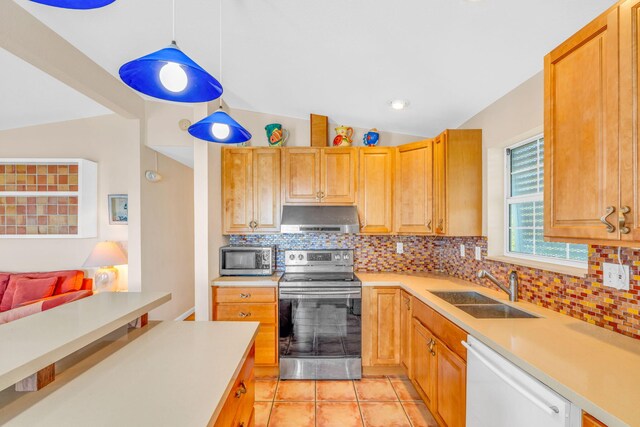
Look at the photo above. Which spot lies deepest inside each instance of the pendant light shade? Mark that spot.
(171, 75)
(220, 127)
(75, 4)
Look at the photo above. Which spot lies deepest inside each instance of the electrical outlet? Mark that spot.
(462, 251)
(478, 253)
(399, 248)
(616, 277)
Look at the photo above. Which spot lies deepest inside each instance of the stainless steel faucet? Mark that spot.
(512, 290)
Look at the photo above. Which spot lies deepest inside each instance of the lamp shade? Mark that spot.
(106, 254)
(220, 127)
(171, 75)
(75, 4)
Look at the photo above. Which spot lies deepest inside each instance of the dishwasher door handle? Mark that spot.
(549, 409)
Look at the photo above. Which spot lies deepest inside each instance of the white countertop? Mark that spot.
(34, 342)
(251, 281)
(174, 374)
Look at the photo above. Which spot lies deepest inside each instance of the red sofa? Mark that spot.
(22, 294)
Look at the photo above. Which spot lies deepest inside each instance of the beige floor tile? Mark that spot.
(374, 389)
(342, 391)
(419, 414)
(263, 410)
(334, 414)
(265, 390)
(293, 414)
(383, 414)
(296, 391)
(405, 389)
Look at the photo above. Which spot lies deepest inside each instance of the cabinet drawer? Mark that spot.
(239, 404)
(444, 329)
(242, 295)
(263, 313)
(266, 345)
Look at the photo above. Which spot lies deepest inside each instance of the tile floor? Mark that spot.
(370, 402)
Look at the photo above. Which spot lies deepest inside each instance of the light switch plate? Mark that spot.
(399, 248)
(616, 277)
(462, 251)
(478, 253)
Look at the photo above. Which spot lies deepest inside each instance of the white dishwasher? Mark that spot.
(499, 394)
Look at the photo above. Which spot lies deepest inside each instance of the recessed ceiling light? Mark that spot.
(399, 104)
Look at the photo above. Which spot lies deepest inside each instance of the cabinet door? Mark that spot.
(385, 319)
(405, 331)
(590, 421)
(423, 362)
(375, 189)
(414, 188)
(301, 175)
(237, 190)
(630, 116)
(338, 175)
(266, 189)
(440, 183)
(452, 387)
(581, 171)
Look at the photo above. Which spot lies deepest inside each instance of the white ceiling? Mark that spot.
(28, 97)
(342, 58)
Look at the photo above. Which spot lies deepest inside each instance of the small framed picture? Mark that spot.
(118, 209)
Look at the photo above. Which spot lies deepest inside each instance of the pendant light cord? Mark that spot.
(220, 50)
(173, 19)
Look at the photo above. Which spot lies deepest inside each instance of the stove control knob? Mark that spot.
(345, 256)
(337, 257)
(292, 257)
(300, 257)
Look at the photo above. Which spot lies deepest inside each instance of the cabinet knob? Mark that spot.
(603, 219)
(245, 296)
(244, 315)
(622, 220)
(242, 389)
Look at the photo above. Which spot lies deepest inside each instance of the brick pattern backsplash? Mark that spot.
(582, 298)
(25, 209)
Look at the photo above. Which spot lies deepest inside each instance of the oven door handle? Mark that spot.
(321, 294)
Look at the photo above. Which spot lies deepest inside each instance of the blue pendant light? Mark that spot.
(75, 4)
(220, 127)
(171, 75)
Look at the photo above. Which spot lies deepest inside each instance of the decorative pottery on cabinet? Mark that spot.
(371, 138)
(344, 137)
(276, 134)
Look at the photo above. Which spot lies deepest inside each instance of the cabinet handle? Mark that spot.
(244, 315)
(322, 195)
(603, 219)
(429, 225)
(245, 296)
(440, 225)
(432, 343)
(622, 221)
(242, 389)
(407, 302)
(318, 196)
(253, 224)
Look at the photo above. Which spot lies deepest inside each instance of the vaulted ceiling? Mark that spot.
(343, 58)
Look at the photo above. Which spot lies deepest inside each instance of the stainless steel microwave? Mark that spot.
(247, 260)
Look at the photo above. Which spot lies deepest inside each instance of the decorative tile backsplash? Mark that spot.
(582, 298)
(39, 199)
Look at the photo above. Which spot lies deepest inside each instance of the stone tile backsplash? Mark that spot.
(582, 298)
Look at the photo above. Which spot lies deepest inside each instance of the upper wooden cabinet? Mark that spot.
(375, 189)
(581, 133)
(319, 175)
(251, 190)
(414, 188)
(458, 183)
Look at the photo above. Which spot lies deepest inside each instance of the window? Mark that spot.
(524, 209)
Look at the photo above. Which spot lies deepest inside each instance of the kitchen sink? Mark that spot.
(457, 298)
(495, 311)
(482, 307)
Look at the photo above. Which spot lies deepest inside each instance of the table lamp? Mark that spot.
(106, 255)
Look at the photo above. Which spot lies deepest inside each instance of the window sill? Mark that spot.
(547, 266)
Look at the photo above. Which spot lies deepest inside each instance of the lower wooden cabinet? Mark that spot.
(384, 306)
(252, 304)
(405, 330)
(238, 407)
(438, 365)
(589, 421)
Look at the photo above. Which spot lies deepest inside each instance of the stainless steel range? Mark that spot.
(320, 316)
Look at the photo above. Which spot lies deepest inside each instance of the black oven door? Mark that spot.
(320, 333)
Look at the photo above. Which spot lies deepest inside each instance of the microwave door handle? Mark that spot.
(549, 409)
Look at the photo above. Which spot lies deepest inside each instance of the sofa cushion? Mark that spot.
(33, 289)
(68, 281)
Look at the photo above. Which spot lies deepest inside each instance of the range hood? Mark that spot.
(319, 219)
